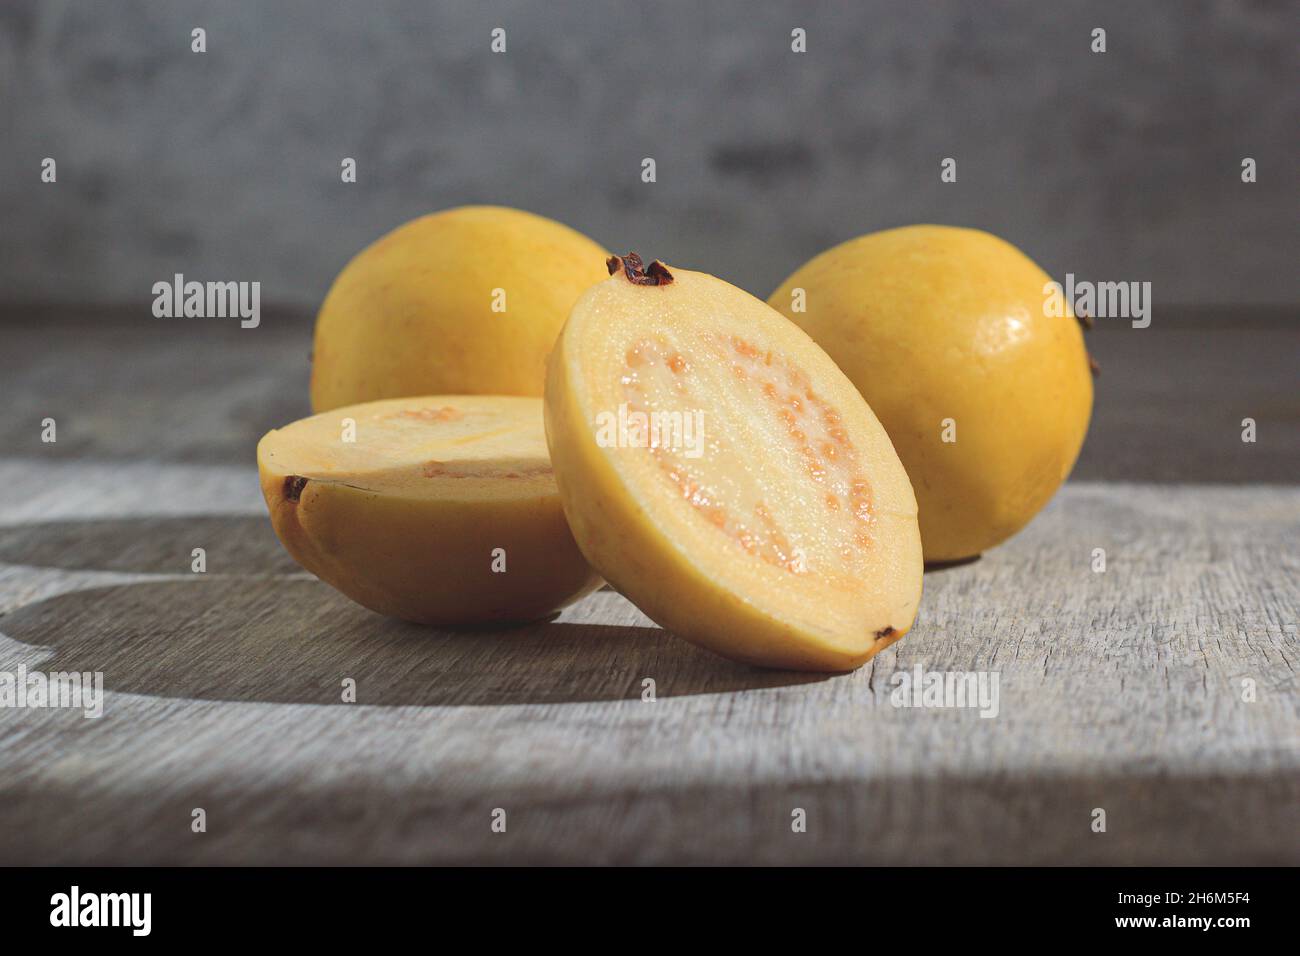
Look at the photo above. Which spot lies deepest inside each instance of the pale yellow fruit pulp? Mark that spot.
(790, 539)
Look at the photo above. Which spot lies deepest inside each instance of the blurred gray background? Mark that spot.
(225, 165)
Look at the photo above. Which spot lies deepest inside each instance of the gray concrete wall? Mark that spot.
(226, 165)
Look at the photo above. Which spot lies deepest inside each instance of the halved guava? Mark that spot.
(441, 510)
(718, 469)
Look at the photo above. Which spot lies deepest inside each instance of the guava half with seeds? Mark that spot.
(440, 510)
(719, 470)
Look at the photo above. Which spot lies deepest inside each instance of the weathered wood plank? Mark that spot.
(1120, 690)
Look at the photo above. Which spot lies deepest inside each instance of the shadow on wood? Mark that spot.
(932, 567)
(289, 640)
(233, 544)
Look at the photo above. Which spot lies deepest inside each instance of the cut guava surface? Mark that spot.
(718, 469)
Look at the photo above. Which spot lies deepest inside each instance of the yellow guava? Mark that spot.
(464, 301)
(972, 361)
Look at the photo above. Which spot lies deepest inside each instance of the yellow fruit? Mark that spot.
(763, 513)
(442, 511)
(945, 333)
(465, 301)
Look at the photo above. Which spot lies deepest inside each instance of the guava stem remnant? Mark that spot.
(883, 633)
(656, 274)
(293, 486)
(1085, 322)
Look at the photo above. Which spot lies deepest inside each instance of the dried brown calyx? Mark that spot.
(633, 268)
(884, 632)
(293, 486)
(1086, 323)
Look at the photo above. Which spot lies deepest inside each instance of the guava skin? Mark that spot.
(464, 301)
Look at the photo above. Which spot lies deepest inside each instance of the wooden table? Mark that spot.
(1123, 691)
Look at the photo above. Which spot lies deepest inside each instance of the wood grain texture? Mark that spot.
(1120, 690)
